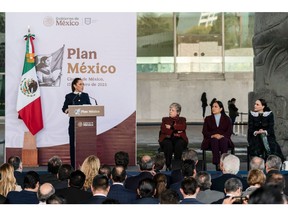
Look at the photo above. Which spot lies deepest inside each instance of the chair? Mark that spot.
(204, 165)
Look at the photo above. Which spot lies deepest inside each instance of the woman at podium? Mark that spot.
(76, 97)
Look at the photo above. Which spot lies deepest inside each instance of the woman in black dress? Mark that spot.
(261, 136)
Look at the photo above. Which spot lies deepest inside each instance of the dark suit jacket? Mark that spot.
(74, 195)
(48, 177)
(22, 197)
(190, 201)
(2, 199)
(95, 200)
(19, 178)
(210, 128)
(122, 194)
(73, 99)
(131, 183)
(147, 200)
(179, 128)
(218, 183)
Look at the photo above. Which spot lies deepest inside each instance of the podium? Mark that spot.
(85, 130)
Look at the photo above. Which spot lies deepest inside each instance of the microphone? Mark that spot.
(73, 101)
(94, 100)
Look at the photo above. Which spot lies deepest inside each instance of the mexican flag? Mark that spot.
(29, 101)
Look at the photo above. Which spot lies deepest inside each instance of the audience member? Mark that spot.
(90, 167)
(145, 166)
(169, 196)
(117, 190)
(189, 190)
(161, 184)
(146, 191)
(29, 193)
(188, 170)
(255, 179)
(233, 188)
(63, 176)
(100, 188)
(206, 195)
(267, 195)
(231, 166)
(75, 194)
(53, 166)
(273, 165)
(121, 158)
(16, 162)
(45, 191)
(55, 199)
(2, 199)
(188, 154)
(257, 163)
(110, 201)
(7, 180)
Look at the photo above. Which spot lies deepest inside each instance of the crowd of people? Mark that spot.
(96, 183)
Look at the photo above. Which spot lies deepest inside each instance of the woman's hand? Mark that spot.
(168, 126)
(217, 136)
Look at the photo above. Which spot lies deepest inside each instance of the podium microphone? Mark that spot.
(94, 100)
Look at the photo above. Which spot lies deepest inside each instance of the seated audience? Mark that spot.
(16, 162)
(255, 179)
(267, 195)
(45, 191)
(63, 176)
(117, 190)
(90, 167)
(7, 180)
(206, 195)
(189, 190)
(53, 166)
(29, 193)
(146, 191)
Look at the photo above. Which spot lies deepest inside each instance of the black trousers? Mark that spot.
(71, 131)
(174, 145)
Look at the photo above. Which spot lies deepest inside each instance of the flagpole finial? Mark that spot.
(28, 29)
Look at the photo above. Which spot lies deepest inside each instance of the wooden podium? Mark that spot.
(85, 130)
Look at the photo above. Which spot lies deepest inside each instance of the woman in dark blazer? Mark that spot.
(173, 138)
(76, 97)
(217, 130)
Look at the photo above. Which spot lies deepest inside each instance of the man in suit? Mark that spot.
(232, 188)
(189, 190)
(206, 195)
(146, 191)
(231, 166)
(29, 193)
(117, 190)
(75, 194)
(145, 166)
(100, 188)
(273, 166)
(16, 162)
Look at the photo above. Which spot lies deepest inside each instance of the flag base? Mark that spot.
(29, 151)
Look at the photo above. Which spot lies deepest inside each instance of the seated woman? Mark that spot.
(217, 130)
(261, 136)
(173, 138)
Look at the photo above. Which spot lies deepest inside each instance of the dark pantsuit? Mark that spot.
(218, 147)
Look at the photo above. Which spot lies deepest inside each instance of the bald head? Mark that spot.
(45, 191)
(257, 163)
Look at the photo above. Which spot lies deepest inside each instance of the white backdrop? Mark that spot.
(112, 36)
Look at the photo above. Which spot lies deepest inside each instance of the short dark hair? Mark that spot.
(121, 158)
(54, 164)
(15, 162)
(77, 179)
(64, 171)
(30, 180)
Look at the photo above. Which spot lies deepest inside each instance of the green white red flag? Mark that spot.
(29, 100)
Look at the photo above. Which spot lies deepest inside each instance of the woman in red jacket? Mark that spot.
(217, 130)
(173, 138)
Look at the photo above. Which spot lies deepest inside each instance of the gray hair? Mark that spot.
(190, 154)
(273, 162)
(232, 185)
(257, 163)
(231, 164)
(177, 106)
(204, 180)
